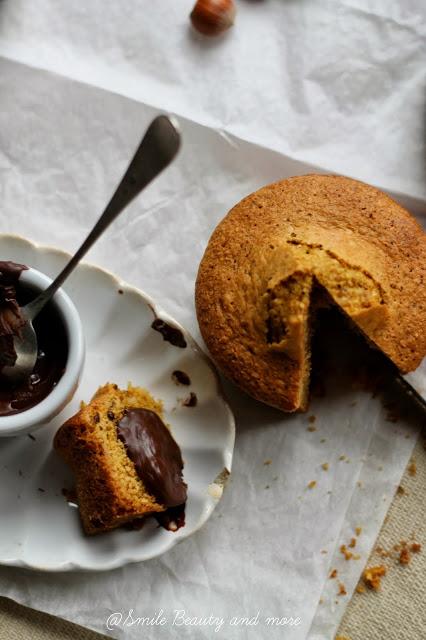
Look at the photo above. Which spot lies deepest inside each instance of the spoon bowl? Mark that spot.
(26, 348)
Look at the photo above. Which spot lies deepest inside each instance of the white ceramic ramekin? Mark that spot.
(61, 394)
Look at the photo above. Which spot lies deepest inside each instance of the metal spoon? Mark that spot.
(159, 146)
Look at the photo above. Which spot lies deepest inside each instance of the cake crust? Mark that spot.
(366, 250)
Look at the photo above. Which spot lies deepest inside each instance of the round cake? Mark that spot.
(292, 245)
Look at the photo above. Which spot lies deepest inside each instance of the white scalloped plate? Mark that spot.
(39, 530)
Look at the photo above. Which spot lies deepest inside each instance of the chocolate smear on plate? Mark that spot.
(191, 400)
(180, 377)
(169, 333)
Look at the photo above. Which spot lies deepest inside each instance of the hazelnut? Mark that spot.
(212, 17)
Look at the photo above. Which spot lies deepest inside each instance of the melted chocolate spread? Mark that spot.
(52, 343)
(172, 518)
(180, 377)
(169, 333)
(155, 454)
(11, 320)
(191, 400)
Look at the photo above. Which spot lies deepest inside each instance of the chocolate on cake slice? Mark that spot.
(126, 463)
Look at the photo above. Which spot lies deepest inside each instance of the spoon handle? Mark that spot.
(159, 146)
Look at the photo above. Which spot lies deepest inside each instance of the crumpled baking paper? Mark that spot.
(287, 78)
(337, 83)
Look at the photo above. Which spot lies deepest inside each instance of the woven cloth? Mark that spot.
(397, 612)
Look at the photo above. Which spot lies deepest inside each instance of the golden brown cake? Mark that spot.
(101, 445)
(286, 247)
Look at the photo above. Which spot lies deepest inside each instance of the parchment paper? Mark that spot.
(64, 145)
(338, 83)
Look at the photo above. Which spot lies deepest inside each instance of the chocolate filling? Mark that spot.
(155, 454)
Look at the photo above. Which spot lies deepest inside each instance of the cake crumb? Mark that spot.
(311, 428)
(373, 575)
(412, 468)
(360, 588)
(312, 484)
(342, 590)
(400, 552)
(324, 551)
(358, 531)
(342, 457)
(402, 543)
(359, 484)
(267, 462)
(323, 440)
(404, 556)
(312, 419)
(215, 490)
(333, 574)
(343, 550)
(400, 490)
(325, 466)
(352, 543)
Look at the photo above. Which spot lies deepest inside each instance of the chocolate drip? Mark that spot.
(169, 333)
(180, 377)
(191, 400)
(172, 518)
